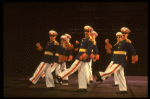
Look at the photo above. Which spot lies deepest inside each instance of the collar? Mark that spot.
(52, 41)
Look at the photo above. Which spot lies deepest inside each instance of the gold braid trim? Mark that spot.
(128, 41)
(56, 43)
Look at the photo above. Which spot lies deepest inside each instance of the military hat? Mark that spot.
(94, 33)
(125, 29)
(68, 36)
(63, 37)
(88, 28)
(118, 34)
(52, 32)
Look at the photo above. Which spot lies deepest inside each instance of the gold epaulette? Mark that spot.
(69, 43)
(128, 41)
(94, 43)
(91, 39)
(56, 43)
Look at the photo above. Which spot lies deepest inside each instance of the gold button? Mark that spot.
(119, 43)
(118, 47)
(81, 44)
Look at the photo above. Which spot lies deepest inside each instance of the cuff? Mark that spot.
(97, 56)
(134, 58)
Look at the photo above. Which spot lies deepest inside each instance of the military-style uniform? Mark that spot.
(63, 57)
(60, 57)
(94, 55)
(70, 57)
(81, 61)
(126, 31)
(63, 65)
(108, 47)
(46, 62)
(120, 52)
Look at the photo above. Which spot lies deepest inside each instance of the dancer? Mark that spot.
(119, 63)
(93, 57)
(52, 48)
(81, 60)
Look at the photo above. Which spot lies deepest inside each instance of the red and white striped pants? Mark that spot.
(120, 74)
(58, 68)
(43, 67)
(89, 72)
(81, 67)
(115, 74)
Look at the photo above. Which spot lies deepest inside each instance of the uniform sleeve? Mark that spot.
(63, 54)
(57, 50)
(133, 51)
(65, 50)
(57, 47)
(90, 47)
(69, 52)
(131, 48)
(62, 51)
(95, 50)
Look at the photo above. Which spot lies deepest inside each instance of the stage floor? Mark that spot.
(14, 87)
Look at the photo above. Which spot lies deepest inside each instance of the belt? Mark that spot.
(82, 50)
(48, 53)
(120, 52)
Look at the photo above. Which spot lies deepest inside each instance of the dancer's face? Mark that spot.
(106, 41)
(87, 33)
(63, 41)
(52, 37)
(119, 38)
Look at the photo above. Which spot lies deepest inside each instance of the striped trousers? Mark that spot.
(81, 67)
(58, 68)
(43, 67)
(54, 66)
(115, 74)
(90, 71)
(120, 74)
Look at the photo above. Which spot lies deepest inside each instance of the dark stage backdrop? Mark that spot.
(25, 24)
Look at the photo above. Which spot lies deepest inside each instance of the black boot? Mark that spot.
(98, 77)
(115, 85)
(91, 81)
(28, 82)
(51, 88)
(122, 92)
(81, 90)
(59, 79)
